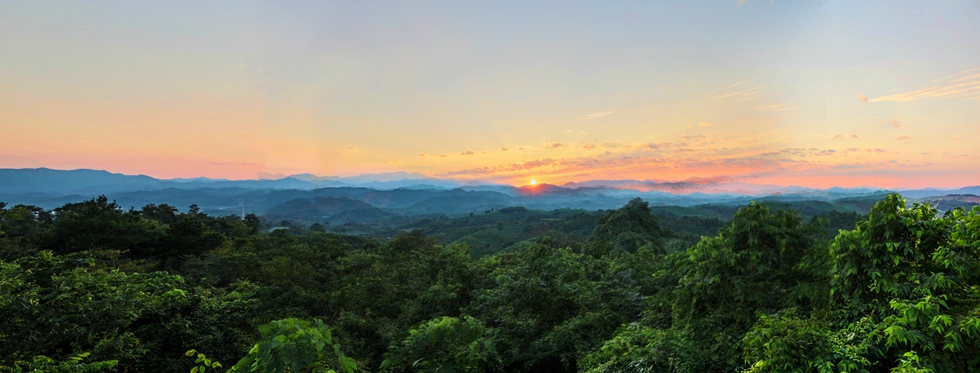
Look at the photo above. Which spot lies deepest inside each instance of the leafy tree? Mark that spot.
(163, 213)
(188, 236)
(100, 224)
(444, 344)
(916, 275)
(752, 266)
(293, 345)
(625, 230)
(549, 306)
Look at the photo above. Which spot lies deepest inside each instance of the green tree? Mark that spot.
(917, 276)
(625, 230)
(100, 224)
(293, 345)
(444, 345)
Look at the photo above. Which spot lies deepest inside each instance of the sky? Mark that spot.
(810, 93)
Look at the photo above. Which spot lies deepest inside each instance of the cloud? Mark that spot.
(776, 107)
(854, 136)
(863, 98)
(652, 145)
(692, 137)
(903, 138)
(443, 155)
(837, 137)
(423, 155)
(351, 148)
(704, 124)
(553, 145)
(504, 149)
(589, 146)
(468, 152)
(896, 123)
(964, 84)
(742, 95)
(393, 162)
(596, 115)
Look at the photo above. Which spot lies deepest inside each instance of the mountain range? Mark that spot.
(371, 197)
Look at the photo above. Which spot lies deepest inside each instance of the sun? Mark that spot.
(534, 182)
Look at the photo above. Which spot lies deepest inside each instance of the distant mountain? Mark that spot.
(333, 210)
(922, 193)
(402, 194)
(44, 180)
(952, 201)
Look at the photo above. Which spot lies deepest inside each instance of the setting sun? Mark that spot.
(534, 182)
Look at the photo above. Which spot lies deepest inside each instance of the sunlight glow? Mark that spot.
(534, 182)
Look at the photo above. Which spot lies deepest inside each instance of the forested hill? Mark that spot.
(772, 287)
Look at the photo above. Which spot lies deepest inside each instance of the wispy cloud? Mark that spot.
(504, 149)
(596, 115)
(964, 84)
(468, 152)
(704, 124)
(776, 107)
(742, 95)
(423, 155)
(896, 123)
(863, 98)
(903, 138)
(553, 145)
(351, 148)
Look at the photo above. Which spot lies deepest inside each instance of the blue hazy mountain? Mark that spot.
(371, 197)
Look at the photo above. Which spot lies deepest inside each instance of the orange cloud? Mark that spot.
(468, 152)
(554, 145)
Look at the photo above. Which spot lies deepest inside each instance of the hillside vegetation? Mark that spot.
(765, 287)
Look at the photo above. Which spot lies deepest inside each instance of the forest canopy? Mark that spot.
(90, 287)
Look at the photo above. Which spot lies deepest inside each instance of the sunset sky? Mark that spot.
(811, 93)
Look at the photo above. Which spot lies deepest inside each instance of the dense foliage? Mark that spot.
(89, 287)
